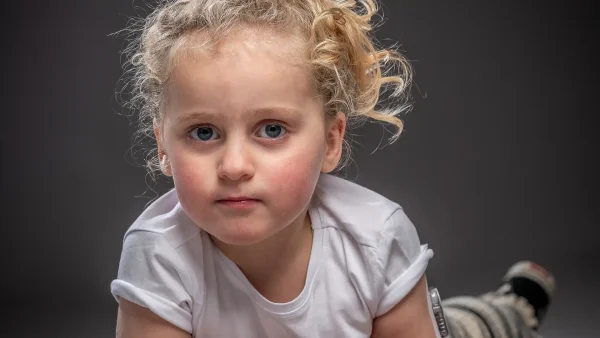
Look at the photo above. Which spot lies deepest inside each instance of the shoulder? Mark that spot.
(363, 213)
(162, 221)
(388, 252)
(163, 235)
(158, 268)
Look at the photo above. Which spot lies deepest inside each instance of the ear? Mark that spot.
(336, 127)
(165, 165)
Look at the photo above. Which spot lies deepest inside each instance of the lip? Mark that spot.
(238, 202)
(237, 198)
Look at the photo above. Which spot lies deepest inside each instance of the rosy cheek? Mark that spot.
(292, 180)
(191, 180)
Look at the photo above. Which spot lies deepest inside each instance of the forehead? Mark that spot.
(284, 44)
(247, 67)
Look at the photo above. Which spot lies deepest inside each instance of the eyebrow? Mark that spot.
(197, 115)
(255, 113)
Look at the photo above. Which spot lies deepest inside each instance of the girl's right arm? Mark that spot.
(134, 321)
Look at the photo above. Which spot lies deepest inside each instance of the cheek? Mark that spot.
(292, 180)
(192, 179)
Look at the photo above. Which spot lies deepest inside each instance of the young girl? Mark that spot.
(249, 101)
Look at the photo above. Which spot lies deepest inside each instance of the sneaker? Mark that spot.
(529, 282)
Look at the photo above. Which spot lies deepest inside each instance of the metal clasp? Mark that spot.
(438, 313)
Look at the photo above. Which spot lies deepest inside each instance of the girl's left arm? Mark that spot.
(410, 318)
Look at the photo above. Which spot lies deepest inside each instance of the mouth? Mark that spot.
(238, 202)
(237, 199)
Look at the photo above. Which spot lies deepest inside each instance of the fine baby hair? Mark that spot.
(350, 72)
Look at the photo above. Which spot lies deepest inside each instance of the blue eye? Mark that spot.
(203, 134)
(272, 131)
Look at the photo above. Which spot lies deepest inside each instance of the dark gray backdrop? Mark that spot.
(497, 164)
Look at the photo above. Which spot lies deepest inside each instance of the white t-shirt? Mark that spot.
(366, 256)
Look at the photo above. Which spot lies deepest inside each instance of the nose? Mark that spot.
(236, 162)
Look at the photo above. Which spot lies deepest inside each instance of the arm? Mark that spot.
(409, 318)
(134, 321)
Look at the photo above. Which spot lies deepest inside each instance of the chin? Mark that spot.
(241, 236)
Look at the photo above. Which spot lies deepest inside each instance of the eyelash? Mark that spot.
(280, 124)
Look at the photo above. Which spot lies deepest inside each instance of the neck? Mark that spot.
(276, 266)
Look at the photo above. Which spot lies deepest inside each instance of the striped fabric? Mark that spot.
(488, 316)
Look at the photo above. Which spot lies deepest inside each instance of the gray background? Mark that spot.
(497, 164)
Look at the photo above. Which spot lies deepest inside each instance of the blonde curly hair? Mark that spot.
(351, 74)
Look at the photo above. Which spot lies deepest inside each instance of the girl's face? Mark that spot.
(243, 122)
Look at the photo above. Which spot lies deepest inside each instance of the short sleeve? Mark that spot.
(402, 260)
(151, 274)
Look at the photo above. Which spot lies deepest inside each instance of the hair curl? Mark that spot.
(350, 72)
